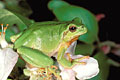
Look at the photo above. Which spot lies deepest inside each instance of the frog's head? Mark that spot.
(74, 30)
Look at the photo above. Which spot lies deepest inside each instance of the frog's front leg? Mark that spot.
(68, 63)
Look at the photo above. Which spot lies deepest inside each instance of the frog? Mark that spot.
(42, 40)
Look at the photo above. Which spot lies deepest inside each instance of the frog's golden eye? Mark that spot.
(72, 28)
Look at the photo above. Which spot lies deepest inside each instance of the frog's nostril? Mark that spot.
(82, 26)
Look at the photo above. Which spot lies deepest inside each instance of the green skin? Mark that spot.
(42, 40)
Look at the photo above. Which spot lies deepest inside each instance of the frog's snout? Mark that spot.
(85, 30)
(82, 29)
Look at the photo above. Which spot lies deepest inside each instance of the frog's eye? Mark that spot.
(72, 28)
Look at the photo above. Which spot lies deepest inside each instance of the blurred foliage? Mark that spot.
(17, 74)
(103, 64)
(20, 63)
(18, 6)
(84, 49)
(2, 5)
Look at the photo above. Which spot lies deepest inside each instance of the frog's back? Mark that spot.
(44, 37)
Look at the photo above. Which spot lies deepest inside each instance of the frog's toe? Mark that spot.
(54, 67)
(69, 57)
(80, 60)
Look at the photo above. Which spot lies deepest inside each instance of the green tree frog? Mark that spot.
(42, 40)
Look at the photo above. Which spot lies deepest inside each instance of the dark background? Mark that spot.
(108, 27)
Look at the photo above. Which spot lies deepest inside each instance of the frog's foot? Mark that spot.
(69, 57)
(79, 60)
(54, 70)
(41, 72)
(49, 73)
(45, 73)
(54, 67)
(3, 42)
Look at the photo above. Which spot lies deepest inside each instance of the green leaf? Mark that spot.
(2, 5)
(9, 79)
(27, 21)
(108, 43)
(20, 63)
(66, 12)
(8, 34)
(84, 49)
(18, 6)
(7, 17)
(96, 78)
(114, 63)
(103, 65)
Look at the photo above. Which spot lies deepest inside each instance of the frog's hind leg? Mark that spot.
(35, 57)
(43, 62)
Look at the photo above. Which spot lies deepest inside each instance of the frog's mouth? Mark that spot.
(72, 40)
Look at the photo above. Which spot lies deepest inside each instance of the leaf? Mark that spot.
(7, 17)
(8, 34)
(18, 6)
(103, 65)
(27, 21)
(9, 79)
(109, 43)
(114, 63)
(95, 78)
(84, 49)
(66, 12)
(2, 5)
(20, 63)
